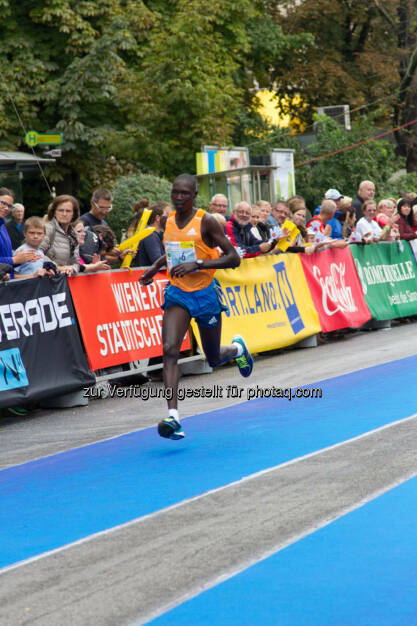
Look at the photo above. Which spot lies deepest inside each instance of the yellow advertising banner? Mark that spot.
(269, 303)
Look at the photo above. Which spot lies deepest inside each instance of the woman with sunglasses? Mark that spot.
(61, 242)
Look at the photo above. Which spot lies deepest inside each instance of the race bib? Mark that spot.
(179, 252)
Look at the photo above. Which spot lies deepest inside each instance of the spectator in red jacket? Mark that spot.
(406, 221)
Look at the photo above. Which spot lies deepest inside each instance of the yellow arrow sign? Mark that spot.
(32, 138)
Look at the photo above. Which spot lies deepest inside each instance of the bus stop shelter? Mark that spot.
(14, 165)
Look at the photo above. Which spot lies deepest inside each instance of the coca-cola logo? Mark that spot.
(336, 295)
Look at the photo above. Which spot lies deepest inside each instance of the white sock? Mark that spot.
(239, 348)
(174, 413)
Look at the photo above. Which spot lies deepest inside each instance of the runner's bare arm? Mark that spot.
(148, 275)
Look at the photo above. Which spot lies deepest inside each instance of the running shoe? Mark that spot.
(245, 361)
(170, 429)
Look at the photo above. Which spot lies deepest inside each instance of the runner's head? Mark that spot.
(184, 192)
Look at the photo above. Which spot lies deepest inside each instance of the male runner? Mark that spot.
(191, 239)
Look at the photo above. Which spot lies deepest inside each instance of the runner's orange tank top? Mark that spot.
(199, 279)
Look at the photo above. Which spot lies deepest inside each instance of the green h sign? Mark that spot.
(32, 138)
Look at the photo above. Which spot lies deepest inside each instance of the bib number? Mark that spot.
(179, 252)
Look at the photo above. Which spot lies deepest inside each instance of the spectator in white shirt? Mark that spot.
(368, 228)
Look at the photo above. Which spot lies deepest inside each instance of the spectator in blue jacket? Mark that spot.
(336, 223)
(279, 213)
(6, 251)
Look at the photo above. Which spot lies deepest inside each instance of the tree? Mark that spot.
(352, 58)
(374, 160)
(141, 84)
(405, 109)
(187, 93)
(365, 55)
(63, 64)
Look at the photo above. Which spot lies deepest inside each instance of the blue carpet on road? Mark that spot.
(361, 570)
(53, 501)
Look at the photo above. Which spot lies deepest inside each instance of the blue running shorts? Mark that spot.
(204, 305)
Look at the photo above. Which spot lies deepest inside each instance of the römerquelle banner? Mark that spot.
(41, 354)
(387, 272)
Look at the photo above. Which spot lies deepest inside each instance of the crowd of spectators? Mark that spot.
(60, 242)
(335, 223)
(63, 241)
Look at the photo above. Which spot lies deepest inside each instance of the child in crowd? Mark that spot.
(34, 232)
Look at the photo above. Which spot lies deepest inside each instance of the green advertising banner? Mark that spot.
(388, 274)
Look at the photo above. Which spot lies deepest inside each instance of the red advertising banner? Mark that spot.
(335, 288)
(120, 320)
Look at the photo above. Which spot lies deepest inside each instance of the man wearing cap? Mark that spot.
(366, 191)
(337, 220)
(320, 223)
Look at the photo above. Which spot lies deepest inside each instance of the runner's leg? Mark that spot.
(215, 353)
(175, 323)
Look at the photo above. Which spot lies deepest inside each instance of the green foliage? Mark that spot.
(202, 203)
(398, 185)
(130, 189)
(187, 94)
(64, 64)
(354, 58)
(375, 160)
(141, 85)
(270, 49)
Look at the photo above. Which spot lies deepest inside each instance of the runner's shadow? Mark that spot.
(161, 452)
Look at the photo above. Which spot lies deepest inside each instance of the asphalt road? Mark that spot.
(130, 574)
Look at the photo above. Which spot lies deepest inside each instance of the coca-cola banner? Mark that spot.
(336, 289)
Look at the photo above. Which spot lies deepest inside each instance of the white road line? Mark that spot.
(196, 591)
(243, 480)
